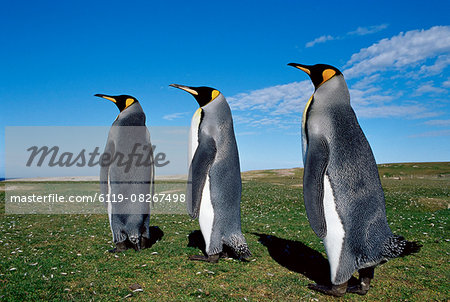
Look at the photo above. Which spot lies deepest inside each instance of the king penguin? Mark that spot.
(342, 191)
(214, 183)
(127, 175)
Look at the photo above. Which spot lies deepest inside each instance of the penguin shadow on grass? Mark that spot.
(298, 257)
(156, 234)
(196, 240)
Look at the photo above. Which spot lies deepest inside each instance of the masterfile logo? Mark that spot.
(55, 170)
(79, 151)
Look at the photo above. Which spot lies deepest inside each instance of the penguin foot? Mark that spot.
(357, 289)
(334, 290)
(197, 258)
(120, 247)
(211, 258)
(224, 254)
(362, 288)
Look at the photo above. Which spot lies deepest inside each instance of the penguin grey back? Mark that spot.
(225, 170)
(351, 166)
(217, 122)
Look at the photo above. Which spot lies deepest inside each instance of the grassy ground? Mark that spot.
(64, 257)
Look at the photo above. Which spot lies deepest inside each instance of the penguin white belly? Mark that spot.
(206, 215)
(110, 208)
(193, 135)
(335, 230)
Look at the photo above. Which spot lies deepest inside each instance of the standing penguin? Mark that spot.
(214, 183)
(127, 175)
(342, 191)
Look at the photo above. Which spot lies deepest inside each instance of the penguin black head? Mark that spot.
(203, 95)
(122, 101)
(319, 73)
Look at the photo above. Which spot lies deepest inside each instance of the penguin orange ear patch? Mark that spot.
(128, 102)
(214, 94)
(328, 74)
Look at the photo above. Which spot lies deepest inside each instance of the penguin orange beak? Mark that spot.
(302, 67)
(185, 88)
(106, 97)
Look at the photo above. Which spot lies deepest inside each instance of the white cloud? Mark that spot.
(371, 95)
(282, 105)
(441, 123)
(275, 99)
(433, 133)
(248, 133)
(362, 31)
(429, 88)
(366, 82)
(175, 115)
(386, 111)
(439, 65)
(401, 51)
(374, 95)
(446, 83)
(318, 40)
(266, 120)
(369, 92)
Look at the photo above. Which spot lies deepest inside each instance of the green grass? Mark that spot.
(64, 257)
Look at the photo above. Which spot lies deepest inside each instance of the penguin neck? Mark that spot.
(215, 104)
(332, 92)
(218, 109)
(131, 116)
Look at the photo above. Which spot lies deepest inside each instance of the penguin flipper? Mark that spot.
(104, 168)
(199, 169)
(317, 156)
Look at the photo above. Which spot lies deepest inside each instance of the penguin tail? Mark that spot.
(243, 252)
(239, 246)
(398, 246)
(135, 242)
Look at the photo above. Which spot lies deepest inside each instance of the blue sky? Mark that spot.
(395, 56)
